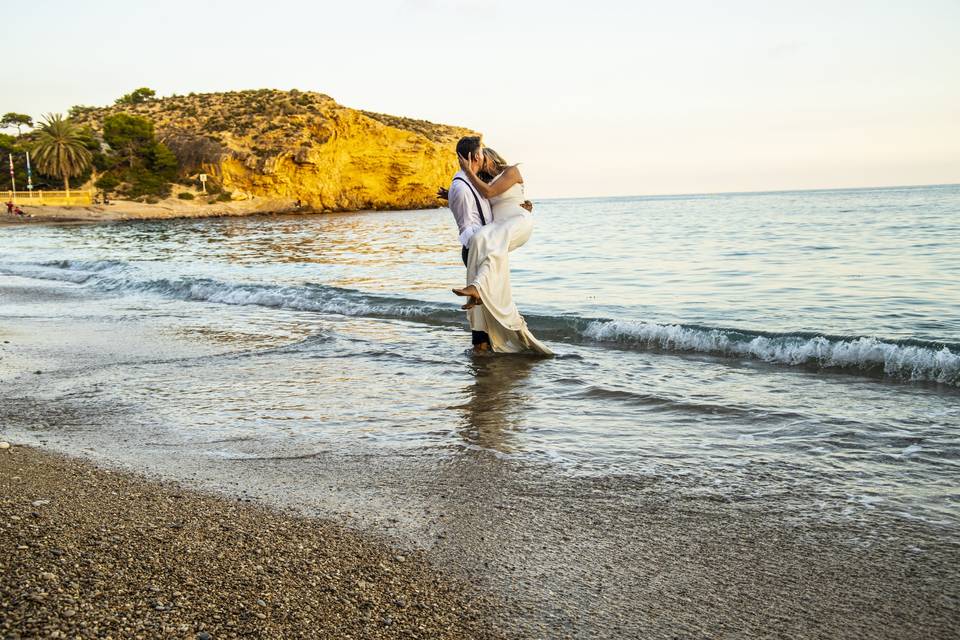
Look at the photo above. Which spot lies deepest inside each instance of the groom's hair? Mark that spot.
(468, 145)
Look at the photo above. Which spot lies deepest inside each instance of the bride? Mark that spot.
(490, 306)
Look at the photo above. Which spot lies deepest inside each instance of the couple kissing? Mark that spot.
(493, 218)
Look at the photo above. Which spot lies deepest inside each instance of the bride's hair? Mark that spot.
(499, 164)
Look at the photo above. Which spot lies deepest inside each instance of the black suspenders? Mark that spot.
(475, 197)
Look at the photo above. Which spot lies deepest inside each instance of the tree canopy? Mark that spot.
(128, 135)
(139, 165)
(10, 120)
(138, 96)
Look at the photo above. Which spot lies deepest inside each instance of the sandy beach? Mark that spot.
(94, 553)
(170, 208)
(560, 556)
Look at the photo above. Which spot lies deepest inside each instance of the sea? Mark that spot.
(798, 348)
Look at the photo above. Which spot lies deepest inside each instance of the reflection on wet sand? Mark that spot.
(495, 400)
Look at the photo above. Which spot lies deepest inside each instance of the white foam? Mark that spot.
(905, 361)
(912, 449)
(46, 273)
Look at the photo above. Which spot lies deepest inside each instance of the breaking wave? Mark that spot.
(914, 360)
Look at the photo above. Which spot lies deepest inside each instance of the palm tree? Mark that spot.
(60, 150)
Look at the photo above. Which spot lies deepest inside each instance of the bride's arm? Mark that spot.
(510, 177)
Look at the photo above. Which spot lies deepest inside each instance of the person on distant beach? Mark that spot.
(9, 207)
(505, 224)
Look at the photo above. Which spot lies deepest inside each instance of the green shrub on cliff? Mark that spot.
(185, 195)
(129, 136)
(213, 187)
(137, 97)
(107, 182)
(79, 110)
(139, 165)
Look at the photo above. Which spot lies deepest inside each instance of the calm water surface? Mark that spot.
(798, 348)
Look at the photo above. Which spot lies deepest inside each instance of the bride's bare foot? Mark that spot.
(468, 291)
(473, 302)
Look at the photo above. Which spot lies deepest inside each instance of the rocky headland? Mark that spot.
(282, 146)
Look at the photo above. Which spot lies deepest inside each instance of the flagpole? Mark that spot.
(13, 181)
(29, 176)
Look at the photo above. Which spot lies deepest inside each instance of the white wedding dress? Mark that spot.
(488, 269)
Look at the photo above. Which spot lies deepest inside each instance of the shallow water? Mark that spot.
(798, 349)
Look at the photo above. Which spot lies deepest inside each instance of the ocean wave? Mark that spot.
(43, 272)
(75, 271)
(913, 360)
(85, 265)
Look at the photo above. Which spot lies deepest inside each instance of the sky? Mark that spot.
(594, 98)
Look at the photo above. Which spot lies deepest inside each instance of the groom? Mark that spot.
(471, 212)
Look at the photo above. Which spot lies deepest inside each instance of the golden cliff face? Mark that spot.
(349, 161)
(298, 145)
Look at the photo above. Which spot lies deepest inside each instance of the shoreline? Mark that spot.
(168, 209)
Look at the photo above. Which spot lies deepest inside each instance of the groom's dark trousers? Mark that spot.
(477, 337)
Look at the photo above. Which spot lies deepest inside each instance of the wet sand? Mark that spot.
(583, 557)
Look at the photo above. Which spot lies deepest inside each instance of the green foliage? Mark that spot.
(139, 96)
(141, 182)
(128, 135)
(216, 124)
(61, 149)
(103, 162)
(78, 110)
(107, 182)
(140, 167)
(185, 195)
(10, 145)
(161, 161)
(226, 196)
(17, 120)
(18, 148)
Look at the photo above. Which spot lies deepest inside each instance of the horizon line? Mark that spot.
(766, 192)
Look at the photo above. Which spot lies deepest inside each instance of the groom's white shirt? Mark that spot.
(460, 196)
